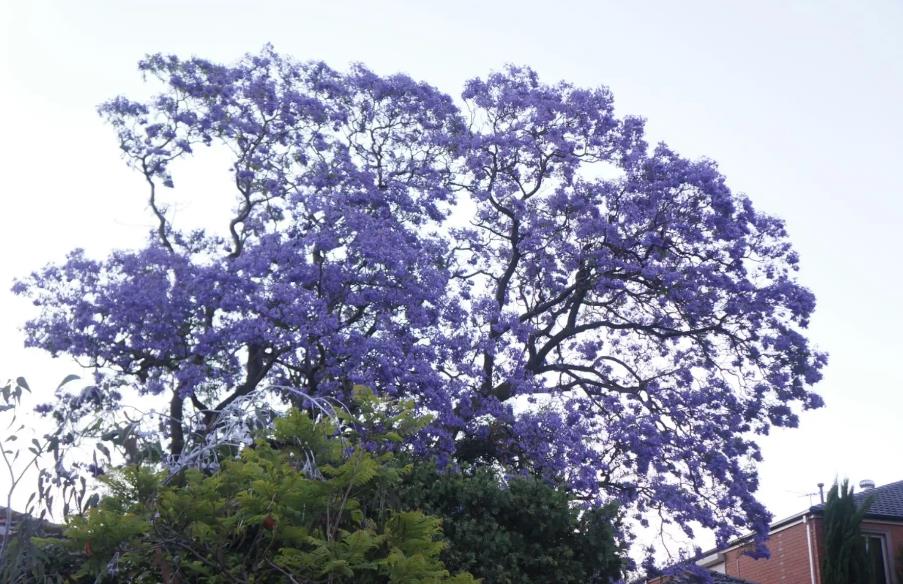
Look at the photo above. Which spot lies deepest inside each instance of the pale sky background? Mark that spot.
(801, 103)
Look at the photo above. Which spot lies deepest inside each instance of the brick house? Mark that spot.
(796, 544)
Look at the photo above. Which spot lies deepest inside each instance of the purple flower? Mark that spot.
(43, 409)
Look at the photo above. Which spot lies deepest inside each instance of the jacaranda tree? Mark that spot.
(564, 299)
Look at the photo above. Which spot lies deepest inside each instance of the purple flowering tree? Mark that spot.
(564, 299)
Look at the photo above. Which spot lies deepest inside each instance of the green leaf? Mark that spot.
(104, 450)
(68, 379)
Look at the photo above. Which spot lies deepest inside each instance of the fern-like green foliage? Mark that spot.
(305, 504)
(845, 559)
(517, 530)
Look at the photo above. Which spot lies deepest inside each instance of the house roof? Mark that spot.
(716, 578)
(17, 519)
(887, 502)
(693, 577)
(725, 579)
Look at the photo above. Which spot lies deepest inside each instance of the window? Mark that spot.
(875, 547)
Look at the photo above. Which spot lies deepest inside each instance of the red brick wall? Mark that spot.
(789, 561)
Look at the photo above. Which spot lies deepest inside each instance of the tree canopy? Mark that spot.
(563, 298)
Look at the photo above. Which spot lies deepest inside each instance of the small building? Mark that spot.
(796, 544)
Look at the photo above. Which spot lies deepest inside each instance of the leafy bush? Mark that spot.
(520, 530)
(304, 503)
(326, 495)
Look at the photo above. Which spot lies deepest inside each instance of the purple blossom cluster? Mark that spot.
(562, 298)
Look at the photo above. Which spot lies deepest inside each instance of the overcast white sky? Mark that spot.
(801, 103)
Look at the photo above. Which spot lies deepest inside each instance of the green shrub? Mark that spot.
(519, 531)
(289, 508)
